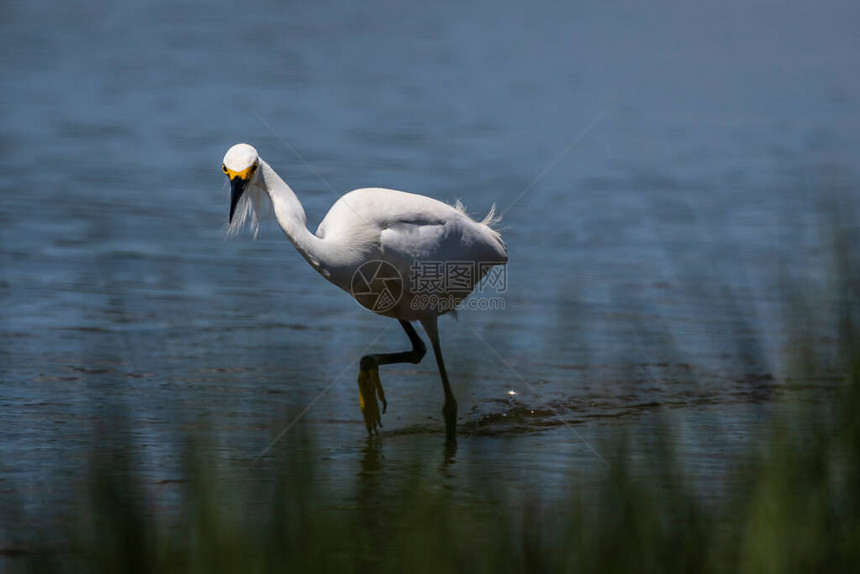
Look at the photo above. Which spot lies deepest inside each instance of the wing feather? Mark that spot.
(403, 228)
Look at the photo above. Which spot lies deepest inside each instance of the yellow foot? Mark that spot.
(369, 387)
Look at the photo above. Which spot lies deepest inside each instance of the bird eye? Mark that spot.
(253, 168)
(224, 167)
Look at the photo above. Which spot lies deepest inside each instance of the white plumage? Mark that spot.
(374, 228)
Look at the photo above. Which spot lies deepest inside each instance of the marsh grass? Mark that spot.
(794, 505)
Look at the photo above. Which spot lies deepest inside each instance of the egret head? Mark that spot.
(240, 164)
(247, 186)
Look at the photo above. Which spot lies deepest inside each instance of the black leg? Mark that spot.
(369, 385)
(414, 356)
(449, 409)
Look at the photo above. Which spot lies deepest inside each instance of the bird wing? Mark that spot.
(454, 239)
(427, 241)
(404, 228)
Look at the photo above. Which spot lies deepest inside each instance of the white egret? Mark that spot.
(389, 249)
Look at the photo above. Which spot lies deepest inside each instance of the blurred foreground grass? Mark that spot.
(794, 506)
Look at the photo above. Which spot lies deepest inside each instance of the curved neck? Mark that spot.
(290, 215)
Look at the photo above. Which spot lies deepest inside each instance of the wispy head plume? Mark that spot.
(254, 208)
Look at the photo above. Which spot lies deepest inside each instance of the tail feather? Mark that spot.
(492, 218)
